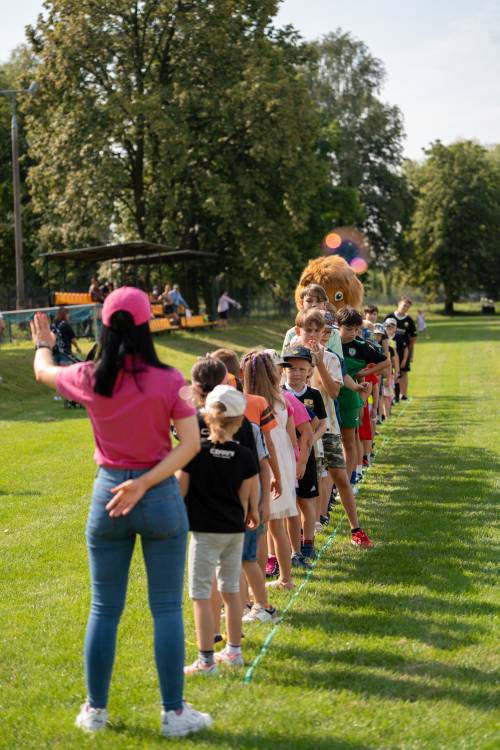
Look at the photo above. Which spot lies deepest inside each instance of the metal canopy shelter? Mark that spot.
(137, 251)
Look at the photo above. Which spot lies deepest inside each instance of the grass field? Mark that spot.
(391, 648)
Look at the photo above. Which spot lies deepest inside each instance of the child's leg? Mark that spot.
(216, 600)
(308, 511)
(326, 491)
(204, 624)
(262, 550)
(282, 548)
(256, 581)
(293, 525)
(204, 550)
(232, 606)
(346, 495)
(403, 384)
(228, 582)
(350, 448)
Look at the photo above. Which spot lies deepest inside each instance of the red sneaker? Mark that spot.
(361, 539)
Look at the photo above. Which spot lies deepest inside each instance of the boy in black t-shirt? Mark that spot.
(300, 360)
(217, 485)
(406, 335)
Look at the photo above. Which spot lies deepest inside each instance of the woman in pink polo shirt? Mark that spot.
(131, 399)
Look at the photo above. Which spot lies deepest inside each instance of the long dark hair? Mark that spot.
(122, 337)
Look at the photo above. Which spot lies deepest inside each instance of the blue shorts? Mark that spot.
(250, 546)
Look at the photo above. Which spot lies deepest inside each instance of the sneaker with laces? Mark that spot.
(91, 719)
(247, 609)
(200, 667)
(258, 613)
(188, 721)
(233, 660)
(361, 539)
(272, 567)
(299, 561)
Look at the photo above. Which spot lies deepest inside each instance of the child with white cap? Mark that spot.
(217, 487)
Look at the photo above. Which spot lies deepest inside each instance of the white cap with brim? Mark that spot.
(233, 400)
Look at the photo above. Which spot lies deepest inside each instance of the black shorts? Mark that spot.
(223, 314)
(407, 366)
(308, 485)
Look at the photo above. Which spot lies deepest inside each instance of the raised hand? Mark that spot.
(40, 331)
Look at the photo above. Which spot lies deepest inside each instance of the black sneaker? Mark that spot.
(324, 520)
(309, 552)
(299, 561)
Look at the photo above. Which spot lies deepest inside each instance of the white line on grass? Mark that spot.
(265, 646)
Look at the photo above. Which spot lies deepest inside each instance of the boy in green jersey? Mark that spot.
(357, 355)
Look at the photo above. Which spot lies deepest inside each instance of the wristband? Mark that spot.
(42, 346)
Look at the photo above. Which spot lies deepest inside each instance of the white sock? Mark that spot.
(359, 469)
(233, 650)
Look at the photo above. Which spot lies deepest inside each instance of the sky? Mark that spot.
(442, 57)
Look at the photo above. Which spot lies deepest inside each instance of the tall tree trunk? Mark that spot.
(448, 301)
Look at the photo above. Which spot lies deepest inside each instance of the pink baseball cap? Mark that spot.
(131, 300)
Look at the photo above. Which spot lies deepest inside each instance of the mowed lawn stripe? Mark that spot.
(391, 648)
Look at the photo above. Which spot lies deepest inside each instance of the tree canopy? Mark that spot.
(182, 123)
(455, 229)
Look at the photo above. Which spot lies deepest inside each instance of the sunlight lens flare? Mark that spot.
(349, 244)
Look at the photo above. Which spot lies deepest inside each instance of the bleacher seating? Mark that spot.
(156, 325)
(72, 298)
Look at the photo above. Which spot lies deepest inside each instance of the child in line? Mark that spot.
(358, 354)
(261, 377)
(313, 328)
(314, 296)
(300, 360)
(302, 440)
(217, 487)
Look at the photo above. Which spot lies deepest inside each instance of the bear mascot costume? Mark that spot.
(337, 278)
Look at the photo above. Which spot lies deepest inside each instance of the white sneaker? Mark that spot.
(187, 722)
(57, 398)
(91, 719)
(259, 614)
(233, 660)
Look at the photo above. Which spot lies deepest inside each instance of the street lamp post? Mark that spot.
(16, 180)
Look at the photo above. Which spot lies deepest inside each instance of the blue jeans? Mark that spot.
(161, 521)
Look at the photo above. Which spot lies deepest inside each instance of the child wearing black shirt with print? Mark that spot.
(217, 486)
(299, 359)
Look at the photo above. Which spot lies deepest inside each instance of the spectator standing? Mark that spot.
(130, 397)
(223, 305)
(65, 339)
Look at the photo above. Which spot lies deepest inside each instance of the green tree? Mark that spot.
(15, 73)
(179, 122)
(365, 154)
(455, 229)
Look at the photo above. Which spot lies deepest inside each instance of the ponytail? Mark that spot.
(121, 338)
(221, 428)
